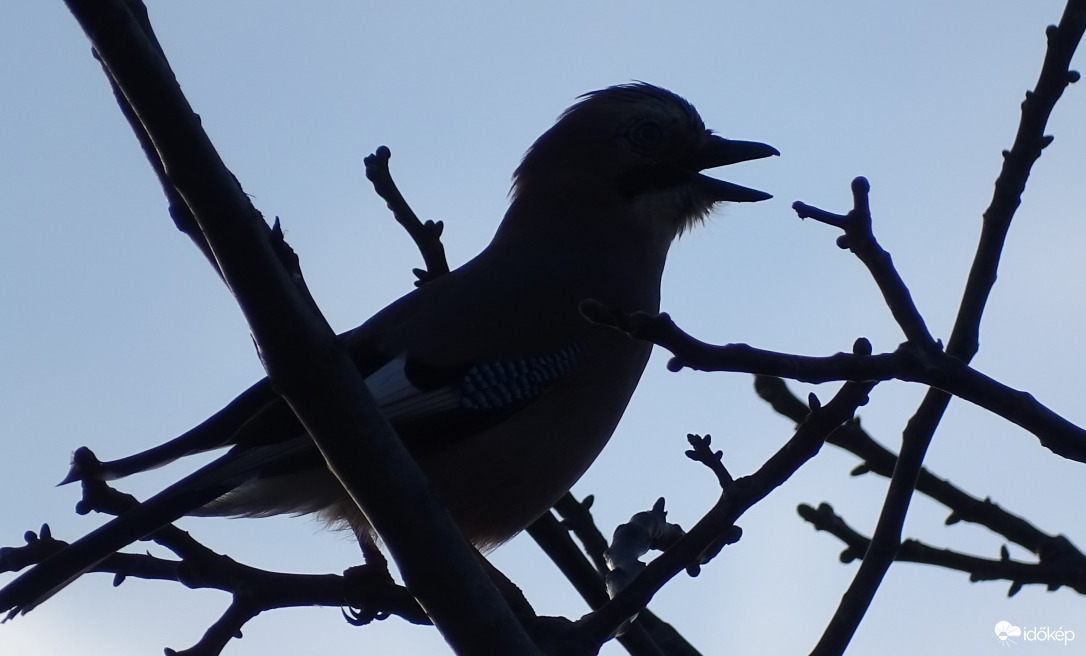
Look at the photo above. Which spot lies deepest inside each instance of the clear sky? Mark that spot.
(118, 335)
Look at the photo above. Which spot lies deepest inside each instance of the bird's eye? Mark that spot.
(646, 136)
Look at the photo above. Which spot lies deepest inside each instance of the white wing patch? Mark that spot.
(492, 385)
(398, 397)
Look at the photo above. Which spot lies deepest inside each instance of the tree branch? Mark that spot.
(910, 362)
(1056, 567)
(860, 239)
(427, 236)
(733, 502)
(302, 355)
(1030, 139)
(371, 594)
(879, 460)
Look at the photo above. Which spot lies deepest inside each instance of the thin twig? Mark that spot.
(860, 239)
(254, 590)
(880, 460)
(733, 502)
(910, 362)
(427, 236)
(555, 540)
(1056, 568)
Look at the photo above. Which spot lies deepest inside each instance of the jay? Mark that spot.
(501, 390)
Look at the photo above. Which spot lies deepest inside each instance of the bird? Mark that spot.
(499, 387)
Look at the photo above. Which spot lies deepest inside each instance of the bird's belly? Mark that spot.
(499, 481)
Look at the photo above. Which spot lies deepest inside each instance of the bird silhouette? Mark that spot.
(498, 386)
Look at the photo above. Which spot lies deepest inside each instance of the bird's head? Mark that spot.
(637, 144)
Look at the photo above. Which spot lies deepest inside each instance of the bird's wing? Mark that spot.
(415, 396)
(418, 398)
(434, 365)
(423, 401)
(440, 362)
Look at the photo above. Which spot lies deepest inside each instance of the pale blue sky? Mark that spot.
(118, 335)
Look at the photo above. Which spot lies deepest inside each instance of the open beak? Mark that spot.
(717, 151)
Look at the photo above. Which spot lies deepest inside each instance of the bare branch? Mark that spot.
(370, 593)
(1030, 139)
(879, 460)
(733, 502)
(1063, 565)
(303, 358)
(910, 362)
(649, 636)
(427, 236)
(577, 517)
(859, 239)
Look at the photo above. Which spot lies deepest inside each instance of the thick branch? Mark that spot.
(179, 211)
(303, 358)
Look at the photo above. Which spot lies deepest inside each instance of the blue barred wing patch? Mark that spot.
(501, 383)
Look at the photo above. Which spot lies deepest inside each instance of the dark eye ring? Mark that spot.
(646, 135)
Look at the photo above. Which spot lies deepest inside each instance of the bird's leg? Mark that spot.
(371, 552)
(372, 574)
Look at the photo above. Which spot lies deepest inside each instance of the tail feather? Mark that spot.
(221, 429)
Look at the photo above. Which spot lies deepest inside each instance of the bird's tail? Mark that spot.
(190, 493)
(258, 410)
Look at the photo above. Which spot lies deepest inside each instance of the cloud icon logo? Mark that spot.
(1005, 631)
